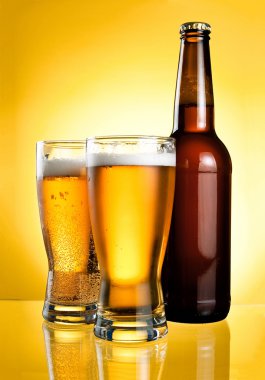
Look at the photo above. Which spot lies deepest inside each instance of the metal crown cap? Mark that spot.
(195, 25)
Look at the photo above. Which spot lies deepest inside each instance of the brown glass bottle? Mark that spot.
(196, 270)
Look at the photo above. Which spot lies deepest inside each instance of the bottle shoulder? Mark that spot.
(201, 152)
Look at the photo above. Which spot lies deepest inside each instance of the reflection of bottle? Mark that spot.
(196, 271)
(70, 352)
(143, 361)
(200, 352)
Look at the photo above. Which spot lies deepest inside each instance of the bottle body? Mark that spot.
(196, 273)
(196, 270)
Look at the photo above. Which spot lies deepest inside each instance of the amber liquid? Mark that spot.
(73, 268)
(130, 227)
(196, 271)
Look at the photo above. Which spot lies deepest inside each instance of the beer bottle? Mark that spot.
(196, 270)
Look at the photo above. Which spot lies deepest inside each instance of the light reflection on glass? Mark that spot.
(120, 361)
(70, 352)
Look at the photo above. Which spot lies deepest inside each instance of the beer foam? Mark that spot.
(124, 159)
(61, 167)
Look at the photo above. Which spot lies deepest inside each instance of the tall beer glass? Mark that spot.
(73, 279)
(131, 187)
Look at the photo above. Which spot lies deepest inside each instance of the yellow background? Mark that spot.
(74, 68)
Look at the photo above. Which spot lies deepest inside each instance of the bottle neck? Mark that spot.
(194, 104)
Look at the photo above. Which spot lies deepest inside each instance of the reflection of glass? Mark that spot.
(200, 352)
(131, 189)
(121, 361)
(70, 352)
(73, 279)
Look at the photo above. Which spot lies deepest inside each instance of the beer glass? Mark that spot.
(130, 186)
(73, 278)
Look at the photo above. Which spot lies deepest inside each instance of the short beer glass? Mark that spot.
(130, 186)
(73, 278)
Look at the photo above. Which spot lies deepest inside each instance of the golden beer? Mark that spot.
(127, 204)
(73, 280)
(130, 198)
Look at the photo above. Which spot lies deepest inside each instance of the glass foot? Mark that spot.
(73, 314)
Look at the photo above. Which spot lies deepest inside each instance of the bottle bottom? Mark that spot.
(69, 314)
(195, 316)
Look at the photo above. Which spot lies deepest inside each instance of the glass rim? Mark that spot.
(60, 141)
(67, 144)
(130, 138)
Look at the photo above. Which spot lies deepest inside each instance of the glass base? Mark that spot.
(73, 314)
(137, 329)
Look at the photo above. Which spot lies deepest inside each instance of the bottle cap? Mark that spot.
(195, 25)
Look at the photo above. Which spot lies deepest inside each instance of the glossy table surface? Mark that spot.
(33, 350)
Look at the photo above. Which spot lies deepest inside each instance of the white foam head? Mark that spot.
(60, 167)
(124, 159)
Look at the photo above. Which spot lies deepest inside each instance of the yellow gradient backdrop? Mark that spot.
(70, 69)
